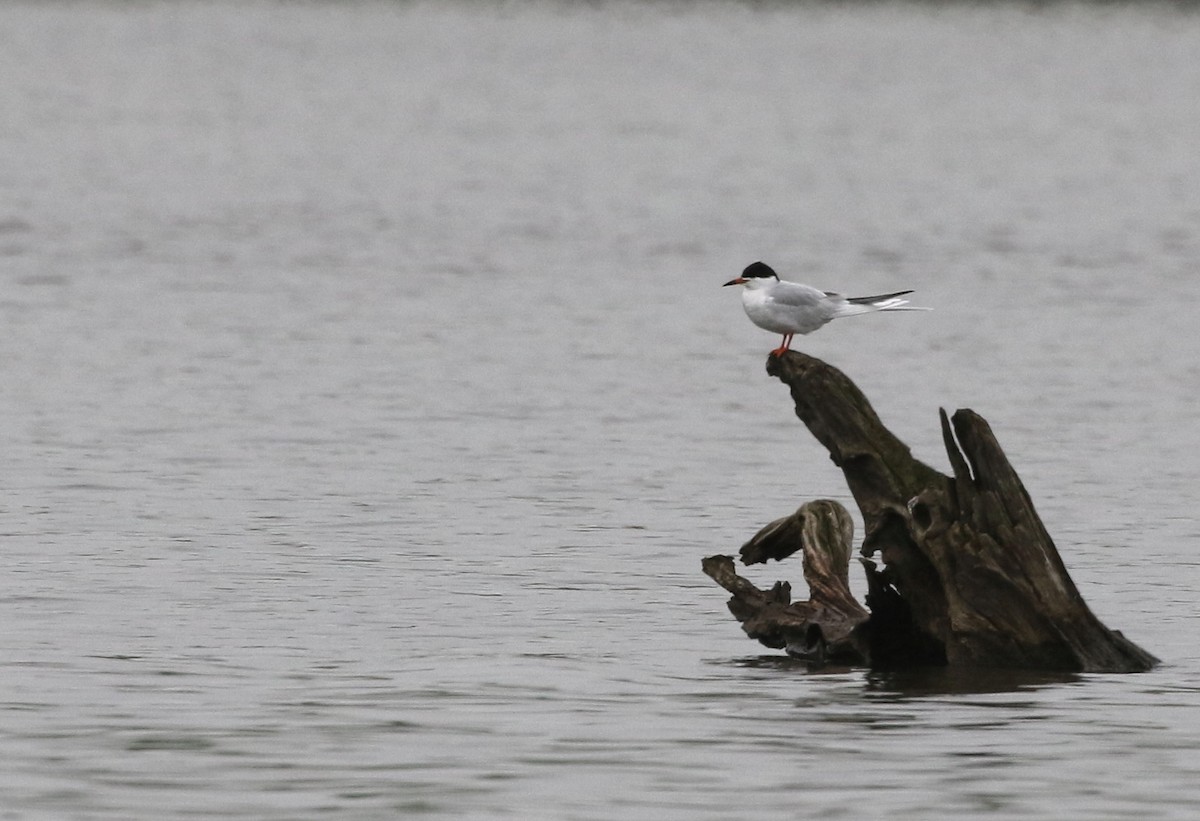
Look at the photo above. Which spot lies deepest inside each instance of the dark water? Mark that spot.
(370, 399)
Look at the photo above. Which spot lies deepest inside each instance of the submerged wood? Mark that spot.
(970, 578)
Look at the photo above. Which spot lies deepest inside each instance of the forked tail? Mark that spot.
(881, 302)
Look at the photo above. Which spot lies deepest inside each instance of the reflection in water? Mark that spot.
(916, 683)
(937, 681)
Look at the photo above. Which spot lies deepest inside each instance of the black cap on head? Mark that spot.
(759, 270)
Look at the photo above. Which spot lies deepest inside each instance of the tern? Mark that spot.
(790, 308)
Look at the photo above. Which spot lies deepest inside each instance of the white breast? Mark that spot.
(787, 308)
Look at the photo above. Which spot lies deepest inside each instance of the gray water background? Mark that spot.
(370, 399)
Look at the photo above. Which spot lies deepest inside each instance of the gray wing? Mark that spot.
(799, 296)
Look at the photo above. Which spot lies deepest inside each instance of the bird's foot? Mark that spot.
(784, 345)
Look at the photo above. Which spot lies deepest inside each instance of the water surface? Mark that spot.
(372, 399)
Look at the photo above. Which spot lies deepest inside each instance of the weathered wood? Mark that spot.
(824, 628)
(970, 578)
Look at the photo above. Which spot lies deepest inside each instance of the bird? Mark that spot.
(790, 308)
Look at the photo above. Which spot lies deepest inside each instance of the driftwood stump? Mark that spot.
(971, 578)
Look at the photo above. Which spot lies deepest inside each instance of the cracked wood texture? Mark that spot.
(971, 577)
(826, 627)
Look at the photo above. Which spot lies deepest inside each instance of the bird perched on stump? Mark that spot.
(790, 308)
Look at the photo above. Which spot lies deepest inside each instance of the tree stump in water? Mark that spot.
(970, 578)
